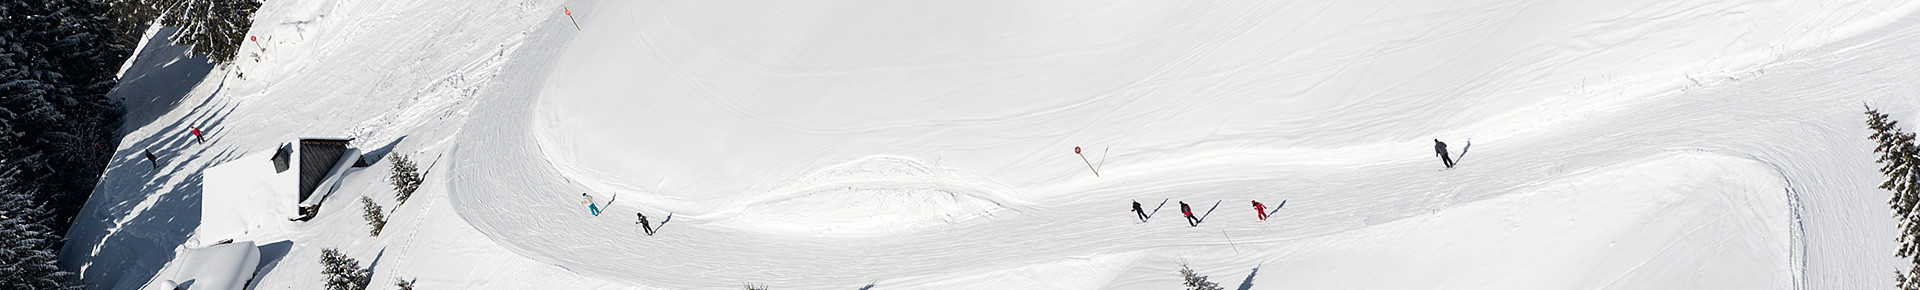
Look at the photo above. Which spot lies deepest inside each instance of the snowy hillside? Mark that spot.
(891, 145)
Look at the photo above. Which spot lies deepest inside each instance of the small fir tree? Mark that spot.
(1900, 162)
(343, 273)
(403, 284)
(374, 216)
(405, 178)
(1194, 281)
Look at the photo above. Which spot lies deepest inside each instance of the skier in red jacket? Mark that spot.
(1260, 209)
(1191, 221)
(196, 135)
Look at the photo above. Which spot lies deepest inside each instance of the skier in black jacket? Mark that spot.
(150, 158)
(644, 226)
(1142, 213)
(1441, 149)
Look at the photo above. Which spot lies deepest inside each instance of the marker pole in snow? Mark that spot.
(1083, 158)
(1236, 248)
(576, 23)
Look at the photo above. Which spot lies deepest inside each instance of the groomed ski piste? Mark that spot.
(910, 145)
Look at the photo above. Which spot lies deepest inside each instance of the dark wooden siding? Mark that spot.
(316, 159)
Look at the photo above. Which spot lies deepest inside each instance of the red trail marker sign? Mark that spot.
(576, 23)
(1083, 158)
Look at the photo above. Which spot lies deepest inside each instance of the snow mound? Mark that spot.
(875, 195)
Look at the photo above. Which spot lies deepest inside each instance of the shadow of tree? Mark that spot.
(1248, 283)
(375, 155)
(124, 236)
(159, 78)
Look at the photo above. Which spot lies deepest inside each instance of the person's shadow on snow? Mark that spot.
(663, 223)
(1216, 205)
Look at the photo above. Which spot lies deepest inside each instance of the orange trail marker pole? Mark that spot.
(576, 23)
(1083, 158)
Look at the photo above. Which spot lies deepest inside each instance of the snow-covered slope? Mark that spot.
(1638, 144)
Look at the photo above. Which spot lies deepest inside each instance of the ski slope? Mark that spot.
(1629, 145)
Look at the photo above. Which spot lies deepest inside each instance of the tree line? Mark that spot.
(58, 61)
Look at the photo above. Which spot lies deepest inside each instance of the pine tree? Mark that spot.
(343, 273)
(58, 60)
(1194, 281)
(28, 256)
(216, 28)
(405, 178)
(375, 217)
(1900, 162)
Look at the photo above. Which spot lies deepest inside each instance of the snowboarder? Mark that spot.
(150, 158)
(1142, 213)
(1191, 221)
(1260, 210)
(644, 226)
(196, 135)
(1441, 149)
(591, 208)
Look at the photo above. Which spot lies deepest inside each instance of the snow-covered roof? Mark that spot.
(243, 196)
(223, 266)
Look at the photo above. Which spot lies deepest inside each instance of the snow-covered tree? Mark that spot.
(1900, 162)
(375, 217)
(1194, 281)
(28, 257)
(402, 284)
(58, 59)
(216, 28)
(405, 178)
(343, 273)
(57, 62)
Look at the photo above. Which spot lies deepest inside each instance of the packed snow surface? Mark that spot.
(907, 145)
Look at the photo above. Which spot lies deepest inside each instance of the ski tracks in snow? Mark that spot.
(1534, 147)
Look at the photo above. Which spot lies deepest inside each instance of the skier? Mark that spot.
(643, 223)
(1441, 149)
(1142, 213)
(1260, 210)
(196, 135)
(1191, 221)
(592, 208)
(150, 158)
